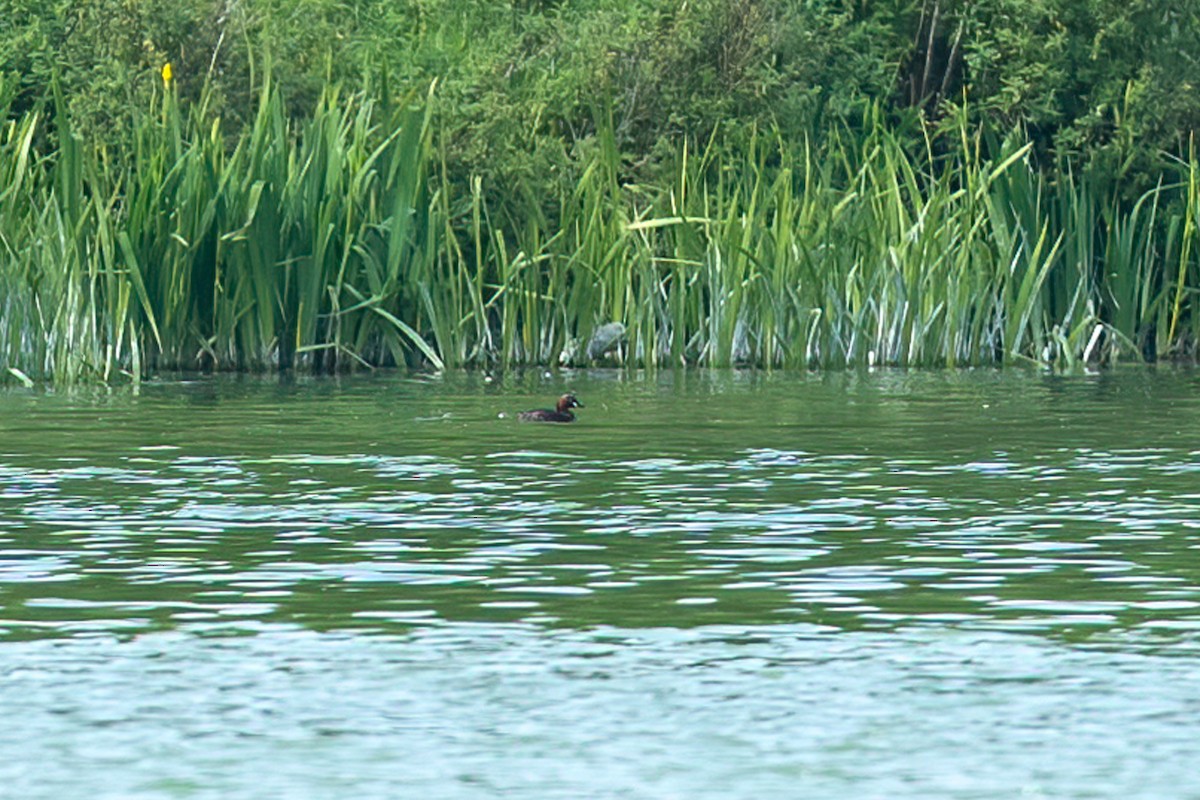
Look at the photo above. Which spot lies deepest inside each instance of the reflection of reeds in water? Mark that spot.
(338, 241)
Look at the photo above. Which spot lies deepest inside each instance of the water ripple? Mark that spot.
(855, 541)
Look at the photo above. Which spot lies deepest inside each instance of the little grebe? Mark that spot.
(561, 413)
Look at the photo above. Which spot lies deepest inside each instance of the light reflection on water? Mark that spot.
(808, 575)
(765, 536)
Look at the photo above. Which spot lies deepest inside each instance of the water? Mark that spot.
(716, 585)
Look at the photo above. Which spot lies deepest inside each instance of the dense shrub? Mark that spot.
(1110, 84)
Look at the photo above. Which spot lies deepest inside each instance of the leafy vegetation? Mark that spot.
(734, 181)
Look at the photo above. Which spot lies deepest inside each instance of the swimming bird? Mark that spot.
(561, 413)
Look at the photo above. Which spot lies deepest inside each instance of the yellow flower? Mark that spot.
(166, 73)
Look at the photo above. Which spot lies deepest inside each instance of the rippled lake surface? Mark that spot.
(716, 585)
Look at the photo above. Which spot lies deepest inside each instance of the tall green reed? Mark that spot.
(301, 244)
(342, 240)
(861, 252)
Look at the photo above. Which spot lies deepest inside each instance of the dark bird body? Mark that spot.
(561, 413)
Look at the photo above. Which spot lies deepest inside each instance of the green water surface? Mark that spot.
(730, 585)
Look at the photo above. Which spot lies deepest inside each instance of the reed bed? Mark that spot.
(341, 241)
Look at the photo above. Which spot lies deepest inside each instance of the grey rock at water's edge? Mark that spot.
(605, 338)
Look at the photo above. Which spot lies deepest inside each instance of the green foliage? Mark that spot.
(305, 245)
(1109, 85)
(756, 181)
(340, 240)
(106, 55)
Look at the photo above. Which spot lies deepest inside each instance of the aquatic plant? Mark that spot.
(339, 240)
